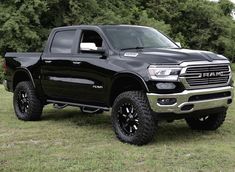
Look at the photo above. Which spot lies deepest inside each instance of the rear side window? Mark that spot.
(63, 42)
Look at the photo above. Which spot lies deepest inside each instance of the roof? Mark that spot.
(97, 26)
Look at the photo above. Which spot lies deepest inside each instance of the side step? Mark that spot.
(89, 110)
(59, 106)
(76, 105)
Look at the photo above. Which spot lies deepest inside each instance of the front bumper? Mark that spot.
(185, 103)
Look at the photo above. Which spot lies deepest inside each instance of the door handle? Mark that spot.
(77, 63)
(48, 61)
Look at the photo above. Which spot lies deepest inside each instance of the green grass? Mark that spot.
(66, 140)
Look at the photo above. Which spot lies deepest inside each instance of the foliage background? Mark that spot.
(201, 24)
(1, 70)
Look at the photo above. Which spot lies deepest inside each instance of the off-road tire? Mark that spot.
(146, 123)
(212, 122)
(35, 106)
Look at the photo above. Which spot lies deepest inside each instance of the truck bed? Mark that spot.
(23, 55)
(14, 60)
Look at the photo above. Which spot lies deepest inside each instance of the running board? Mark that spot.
(89, 111)
(78, 105)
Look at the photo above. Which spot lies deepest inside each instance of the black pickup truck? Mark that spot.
(141, 73)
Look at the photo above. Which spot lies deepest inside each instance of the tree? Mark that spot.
(201, 24)
(226, 6)
(20, 28)
(198, 24)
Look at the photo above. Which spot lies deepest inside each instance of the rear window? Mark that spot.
(63, 42)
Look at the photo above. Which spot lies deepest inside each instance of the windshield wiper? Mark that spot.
(133, 48)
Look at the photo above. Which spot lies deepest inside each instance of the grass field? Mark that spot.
(66, 140)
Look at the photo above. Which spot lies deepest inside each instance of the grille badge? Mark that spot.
(211, 74)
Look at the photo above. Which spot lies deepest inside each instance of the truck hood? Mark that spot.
(171, 56)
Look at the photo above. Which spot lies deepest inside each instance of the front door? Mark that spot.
(91, 70)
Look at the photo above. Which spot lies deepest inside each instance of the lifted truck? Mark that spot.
(142, 74)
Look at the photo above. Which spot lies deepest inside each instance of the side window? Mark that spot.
(63, 41)
(89, 36)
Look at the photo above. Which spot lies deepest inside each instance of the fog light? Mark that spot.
(165, 86)
(166, 101)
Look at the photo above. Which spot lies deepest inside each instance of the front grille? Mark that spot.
(209, 81)
(207, 75)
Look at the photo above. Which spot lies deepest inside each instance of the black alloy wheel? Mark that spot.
(207, 122)
(132, 118)
(27, 105)
(128, 118)
(23, 102)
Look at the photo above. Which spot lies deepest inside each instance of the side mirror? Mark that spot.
(91, 47)
(88, 47)
(179, 44)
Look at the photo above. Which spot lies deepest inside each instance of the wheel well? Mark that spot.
(19, 77)
(123, 84)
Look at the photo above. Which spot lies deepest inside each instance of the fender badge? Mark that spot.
(131, 54)
(98, 86)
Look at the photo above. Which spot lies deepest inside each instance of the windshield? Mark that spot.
(126, 37)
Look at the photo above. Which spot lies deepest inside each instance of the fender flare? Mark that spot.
(132, 75)
(25, 70)
(118, 76)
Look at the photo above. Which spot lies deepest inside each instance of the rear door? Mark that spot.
(56, 64)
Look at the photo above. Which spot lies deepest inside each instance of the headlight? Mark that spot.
(162, 73)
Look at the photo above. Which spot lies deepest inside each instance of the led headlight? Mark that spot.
(162, 73)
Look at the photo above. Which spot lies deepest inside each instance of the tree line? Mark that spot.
(197, 24)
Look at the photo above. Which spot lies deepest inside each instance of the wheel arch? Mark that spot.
(22, 74)
(131, 82)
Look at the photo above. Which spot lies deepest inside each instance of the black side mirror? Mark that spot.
(103, 52)
(100, 50)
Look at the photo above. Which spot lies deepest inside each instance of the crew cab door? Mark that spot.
(57, 63)
(92, 70)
